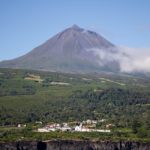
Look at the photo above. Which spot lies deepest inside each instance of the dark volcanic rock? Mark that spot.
(88, 145)
(75, 145)
(21, 145)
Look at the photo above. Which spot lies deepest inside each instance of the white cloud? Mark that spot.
(138, 60)
(130, 59)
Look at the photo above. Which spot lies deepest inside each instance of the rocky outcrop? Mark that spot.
(74, 145)
(21, 145)
(99, 145)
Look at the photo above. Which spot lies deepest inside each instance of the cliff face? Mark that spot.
(18, 145)
(74, 145)
(87, 145)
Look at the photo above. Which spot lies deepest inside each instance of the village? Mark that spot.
(84, 126)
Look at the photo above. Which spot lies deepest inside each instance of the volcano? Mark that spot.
(74, 50)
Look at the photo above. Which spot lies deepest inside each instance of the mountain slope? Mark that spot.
(72, 50)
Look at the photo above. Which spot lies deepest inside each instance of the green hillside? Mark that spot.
(28, 96)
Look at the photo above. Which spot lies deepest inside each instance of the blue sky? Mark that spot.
(25, 24)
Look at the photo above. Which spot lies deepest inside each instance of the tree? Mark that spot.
(135, 125)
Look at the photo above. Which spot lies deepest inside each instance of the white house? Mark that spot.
(43, 130)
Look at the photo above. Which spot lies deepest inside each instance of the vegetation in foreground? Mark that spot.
(29, 96)
(28, 135)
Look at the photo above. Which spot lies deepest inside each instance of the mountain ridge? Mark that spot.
(72, 50)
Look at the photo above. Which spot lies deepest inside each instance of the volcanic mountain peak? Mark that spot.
(75, 27)
(72, 50)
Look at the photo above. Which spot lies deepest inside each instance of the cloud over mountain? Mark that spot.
(130, 59)
(139, 60)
